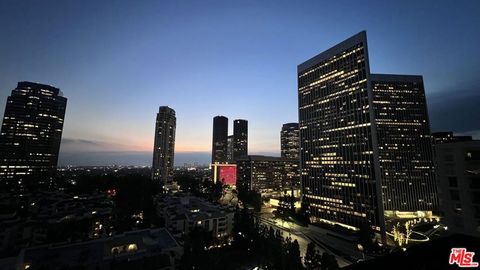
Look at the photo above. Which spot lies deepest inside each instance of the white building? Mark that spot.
(183, 212)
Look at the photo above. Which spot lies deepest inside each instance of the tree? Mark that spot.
(293, 258)
(195, 255)
(366, 237)
(312, 257)
(328, 262)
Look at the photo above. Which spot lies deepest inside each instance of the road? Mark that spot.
(305, 235)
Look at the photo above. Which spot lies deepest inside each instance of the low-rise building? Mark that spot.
(143, 249)
(183, 212)
(27, 219)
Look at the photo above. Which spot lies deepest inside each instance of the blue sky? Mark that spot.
(118, 61)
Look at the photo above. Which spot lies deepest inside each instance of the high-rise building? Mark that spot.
(290, 141)
(357, 134)
(164, 146)
(30, 135)
(447, 137)
(220, 139)
(338, 168)
(267, 175)
(404, 144)
(230, 149)
(458, 176)
(240, 138)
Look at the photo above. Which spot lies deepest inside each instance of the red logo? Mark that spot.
(462, 258)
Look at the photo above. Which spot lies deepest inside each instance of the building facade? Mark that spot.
(357, 134)
(230, 149)
(183, 212)
(404, 144)
(30, 136)
(458, 177)
(240, 138)
(290, 141)
(267, 175)
(339, 170)
(142, 249)
(220, 139)
(448, 137)
(164, 146)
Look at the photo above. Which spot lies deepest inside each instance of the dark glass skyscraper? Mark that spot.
(30, 135)
(220, 139)
(164, 146)
(290, 141)
(364, 140)
(240, 138)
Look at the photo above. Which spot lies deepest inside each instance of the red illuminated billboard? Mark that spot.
(227, 174)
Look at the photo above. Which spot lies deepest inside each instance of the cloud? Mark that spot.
(86, 145)
(455, 110)
(79, 141)
(143, 158)
(474, 133)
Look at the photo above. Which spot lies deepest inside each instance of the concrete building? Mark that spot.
(183, 212)
(164, 146)
(404, 145)
(447, 137)
(144, 249)
(38, 213)
(267, 175)
(357, 134)
(458, 177)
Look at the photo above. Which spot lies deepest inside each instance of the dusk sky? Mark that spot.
(118, 61)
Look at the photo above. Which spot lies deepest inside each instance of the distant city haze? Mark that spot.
(117, 62)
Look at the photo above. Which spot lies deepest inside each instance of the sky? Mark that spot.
(118, 61)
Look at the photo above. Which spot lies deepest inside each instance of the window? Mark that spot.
(476, 197)
(450, 169)
(452, 181)
(454, 195)
(448, 157)
(458, 208)
(472, 155)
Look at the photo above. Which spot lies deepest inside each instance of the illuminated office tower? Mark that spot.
(339, 170)
(220, 139)
(240, 138)
(404, 145)
(164, 146)
(30, 136)
(290, 141)
(365, 140)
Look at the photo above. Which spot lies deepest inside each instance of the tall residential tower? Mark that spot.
(164, 146)
(30, 135)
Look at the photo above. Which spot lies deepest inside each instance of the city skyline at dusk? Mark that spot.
(118, 62)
